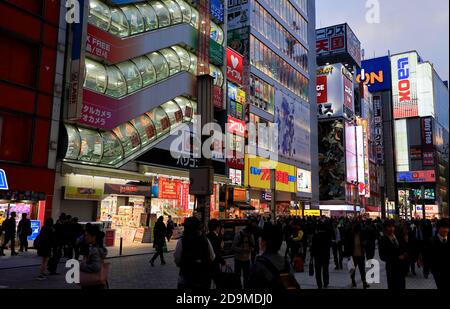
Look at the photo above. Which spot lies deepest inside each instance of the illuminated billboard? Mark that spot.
(417, 176)
(376, 74)
(334, 92)
(351, 153)
(360, 158)
(401, 145)
(304, 181)
(404, 85)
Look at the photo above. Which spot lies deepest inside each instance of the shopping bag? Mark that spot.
(311, 267)
(299, 264)
(93, 279)
(227, 279)
(350, 266)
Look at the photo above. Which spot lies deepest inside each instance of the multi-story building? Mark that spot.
(31, 37)
(411, 103)
(276, 40)
(131, 81)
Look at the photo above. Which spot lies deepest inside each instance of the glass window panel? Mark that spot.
(186, 107)
(91, 146)
(116, 83)
(129, 138)
(134, 18)
(175, 11)
(131, 74)
(112, 149)
(95, 76)
(160, 64)
(99, 14)
(185, 11)
(119, 23)
(184, 57)
(173, 60)
(217, 74)
(145, 128)
(160, 120)
(162, 12)
(193, 66)
(194, 18)
(194, 106)
(74, 142)
(149, 15)
(173, 111)
(146, 70)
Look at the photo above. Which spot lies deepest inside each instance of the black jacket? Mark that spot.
(390, 253)
(159, 234)
(216, 243)
(24, 227)
(349, 243)
(321, 245)
(9, 227)
(439, 257)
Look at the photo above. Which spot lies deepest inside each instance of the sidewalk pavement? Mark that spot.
(30, 258)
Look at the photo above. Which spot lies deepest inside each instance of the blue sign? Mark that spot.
(35, 228)
(377, 74)
(3, 181)
(217, 10)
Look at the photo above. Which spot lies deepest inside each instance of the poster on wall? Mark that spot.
(293, 120)
(331, 160)
(404, 85)
(303, 181)
(168, 189)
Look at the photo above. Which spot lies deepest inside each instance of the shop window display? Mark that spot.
(161, 121)
(186, 107)
(91, 146)
(173, 111)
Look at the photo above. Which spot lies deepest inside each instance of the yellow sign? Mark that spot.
(257, 174)
(76, 193)
(312, 213)
(241, 96)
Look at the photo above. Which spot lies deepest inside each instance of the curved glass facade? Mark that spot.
(132, 75)
(111, 147)
(131, 19)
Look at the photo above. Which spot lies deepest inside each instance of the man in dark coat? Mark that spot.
(24, 230)
(159, 239)
(355, 249)
(9, 227)
(216, 241)
(439, 256)
(394, 253)
(320, 251)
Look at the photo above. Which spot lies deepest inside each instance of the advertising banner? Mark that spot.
(378, 130)
(416, 176)
(427, 132)
(428, 158)
(404, 85)
(168, 189)
(353, 46)
(351, 153)
(415, 153)
(234, 66)
(236, 126)
(118, 189)
(331, 40)
(360, 159)
(35, 230)
(77, 193)
(331, 160)
(334, 92)
(238, 12)
(235, 176)
(365, 126)
(303, 181)
(257, 174)
(376, 74)
(293, 120)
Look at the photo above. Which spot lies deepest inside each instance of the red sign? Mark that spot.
(322, 95)
(236, 126)
(218, 97)
(168, 189)
(234, 66)
(236, 163)
(348, 94)
(185, 196)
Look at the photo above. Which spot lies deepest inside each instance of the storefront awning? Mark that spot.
(90, 170)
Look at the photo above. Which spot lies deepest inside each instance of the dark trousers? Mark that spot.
(322, 273)
(395, 277)
(159, 252)
(338, 254)
(76, 250)
(54, 259)
(244, 268)
(9, 238)
(360, 263)
(23, 242)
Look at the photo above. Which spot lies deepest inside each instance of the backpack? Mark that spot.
(283, 280)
